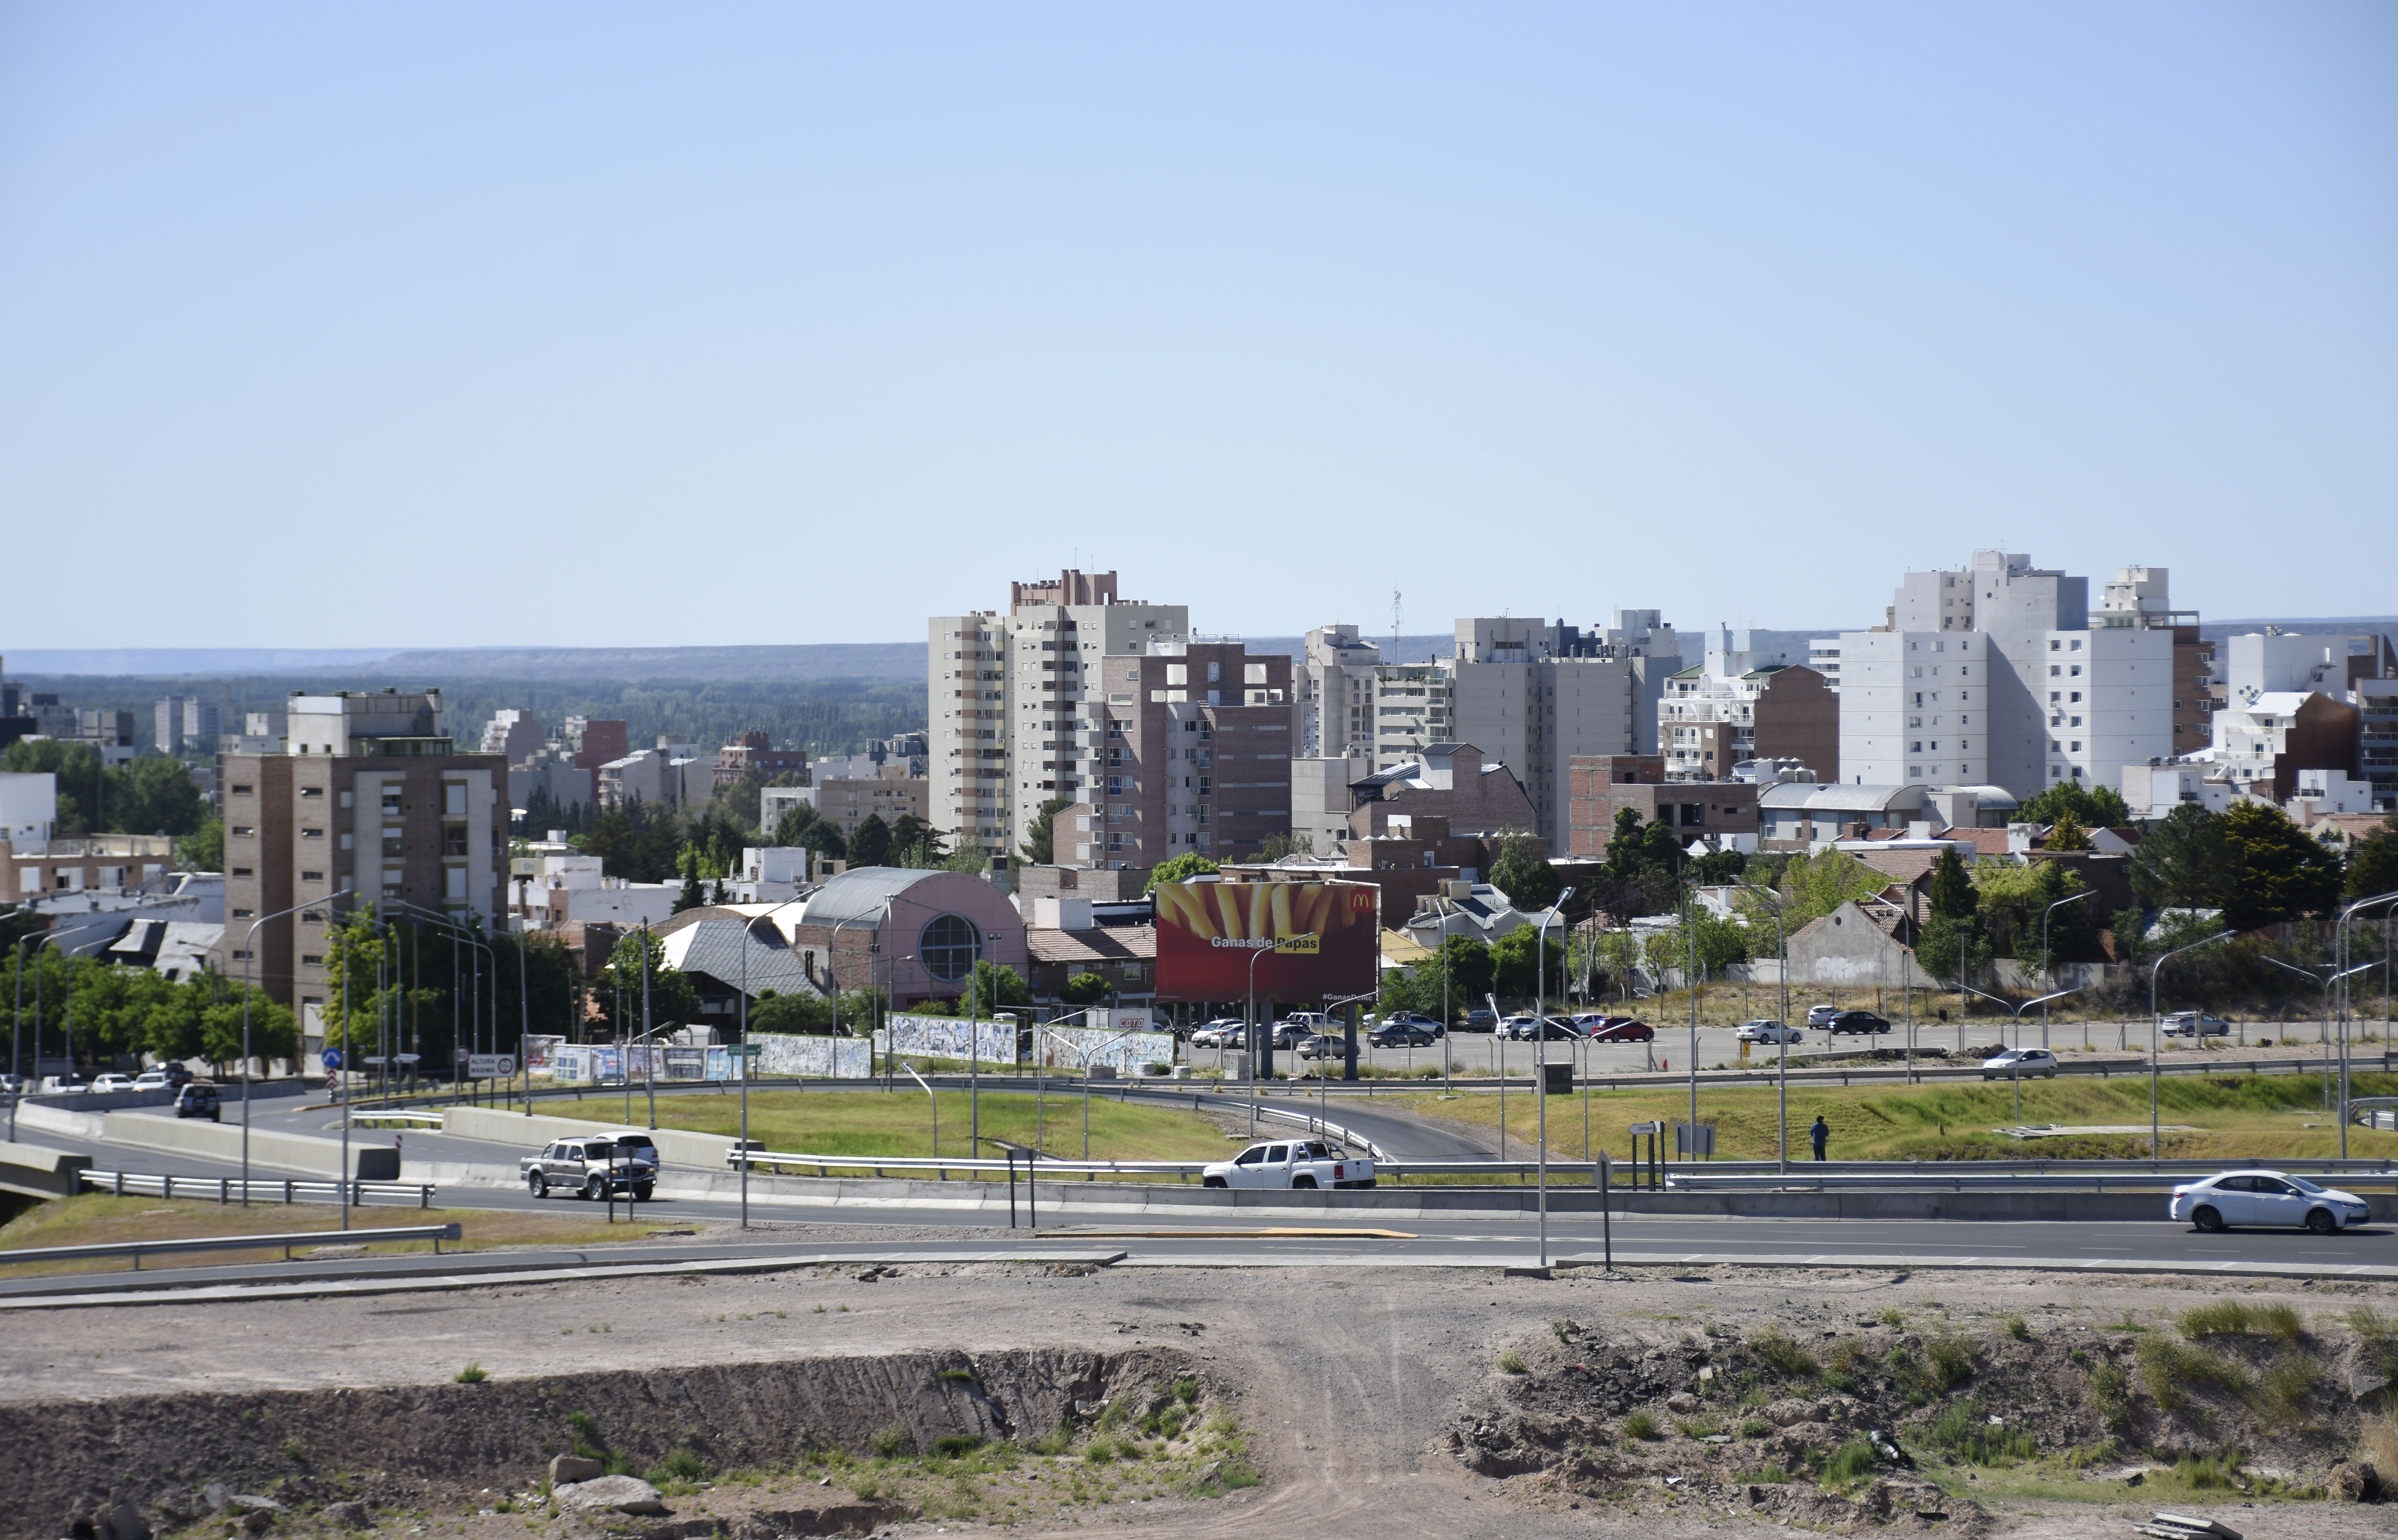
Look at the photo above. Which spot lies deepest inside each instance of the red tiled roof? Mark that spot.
(1102, 943)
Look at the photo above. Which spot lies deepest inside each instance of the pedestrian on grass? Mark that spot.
(1820, 1135)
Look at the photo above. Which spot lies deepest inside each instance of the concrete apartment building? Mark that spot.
(845, 801)
(1196, 757)
(184, 721)
(368, 798)
(1535, 695)
(1996, 675)
(1013, 710)
(756, 751)
(2140, 596)
(1742, 703)
(1719, 811)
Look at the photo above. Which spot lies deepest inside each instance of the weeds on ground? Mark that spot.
(2018, 1329)
(1851, 1464)
(1963, 1431)
(2167, 1369)
(2109, 1392)
(1511, 1362)
(1779, 1353)
(1642, 1425)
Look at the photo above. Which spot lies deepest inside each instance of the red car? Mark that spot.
(1622, 1030)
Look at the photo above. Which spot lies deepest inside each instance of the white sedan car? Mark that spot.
(1217, 1032)
(2266, 1197)
(1771, 1031)
(113, 1082)
(2020, 1064)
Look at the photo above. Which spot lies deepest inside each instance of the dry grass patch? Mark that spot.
(900, 1124)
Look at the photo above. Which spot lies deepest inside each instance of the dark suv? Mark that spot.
(1856, 1021)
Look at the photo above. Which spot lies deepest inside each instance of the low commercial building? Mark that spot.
(1722, 813)
(914, 933)
(1799, 815)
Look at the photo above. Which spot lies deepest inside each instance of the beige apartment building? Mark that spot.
(369, 800)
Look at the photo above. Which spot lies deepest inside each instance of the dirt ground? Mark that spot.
(1347, 1383)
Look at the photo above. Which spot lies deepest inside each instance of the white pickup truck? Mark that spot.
(1300, 1163)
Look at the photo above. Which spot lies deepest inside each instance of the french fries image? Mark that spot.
(1260, 911)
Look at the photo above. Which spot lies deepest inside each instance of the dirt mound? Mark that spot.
(175, 1457)
(1849, 1426)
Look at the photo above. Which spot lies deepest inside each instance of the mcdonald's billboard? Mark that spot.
(1306, 941)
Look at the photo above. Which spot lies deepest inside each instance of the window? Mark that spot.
(241, 791)
(312, 960)
(1254, 674)
(949, 945)
(244, 914)
(242, 871)
(390, 801)
(393, 839)
(311, 877)
(2076, 697)
(312, 791)
(1178, 674)
(454, 799)
(453, 839)
(243, 831)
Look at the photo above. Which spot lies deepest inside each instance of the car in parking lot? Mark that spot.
(199, 1099)
(1415, 1019)
(1211, 1034)
(1622, 1030)
(1763, 1031)
(2020, 1064)
(1555, 1029)
(1401, 1034)
(1291, 1031)
(589, 1166)
(1821, 1015)
(1324, 1045)
(1849, 1022)
(2195, 1023)
(1480, 1021)
(2266, 1197)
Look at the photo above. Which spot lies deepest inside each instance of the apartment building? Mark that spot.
(1718, 810)
(2140, 596)
(756, 751)
(1742, 703)
(369, 800)
(182, 722)
(845, 801)
(2263, 745)
(1195, 757)
(1994, 675)
(1535, 695)
(1012, 708)
(1336, 687)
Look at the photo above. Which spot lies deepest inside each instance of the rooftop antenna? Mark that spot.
(1396, 612)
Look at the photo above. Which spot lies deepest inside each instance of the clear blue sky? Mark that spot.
(588, 324)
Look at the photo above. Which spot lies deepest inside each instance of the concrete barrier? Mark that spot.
(306, 1154)
(676, 1146)
(119, 1101)
(39, 1172)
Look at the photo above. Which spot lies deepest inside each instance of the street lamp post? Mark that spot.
(2048, 964)
(248, 957)
(2153, 970)
(17, 1032)
(746, 932)
(1260, 1051)
(1541, 1037)
(2328, 981)
(2345, 916)
(2016, 1075)
(1782, 971)
(1085, 1056)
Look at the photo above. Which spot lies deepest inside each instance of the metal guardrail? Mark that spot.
(394, 1114)
(1963, 1179)
(136, 1249)
(232, 1189)
(2063, 1167)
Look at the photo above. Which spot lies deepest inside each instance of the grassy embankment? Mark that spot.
(2236, 1118)
(868, 1123)
(98, 1219)
(1730, 1004)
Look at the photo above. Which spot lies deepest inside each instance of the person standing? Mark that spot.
(1820, 1135)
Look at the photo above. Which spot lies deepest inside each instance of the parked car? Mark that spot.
(1480, 1021)
(111, 1082)
(63, 1082)
(2266, 1197)
(152, 1080)
(1769, 1031)
(588, 1166)
(2195, 1023)
(12, 1085)
(1622, 1030)
(199, 1099)
(1400, 1034)
(2020, 1064)
(1415, 1019)
(1211, 1034)
(1555, 1029)
(1291, 1031)
(1324, 1045)
(1821, 1015)
(1849, 1022)
(1303, 1163)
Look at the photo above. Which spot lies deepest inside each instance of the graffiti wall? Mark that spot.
(1064, 1047)
(948, 1037)
(827, 1058)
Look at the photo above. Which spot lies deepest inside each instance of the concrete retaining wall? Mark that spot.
(40, 1173)
(676, 1146)
(118, 1101)
(301, 1154)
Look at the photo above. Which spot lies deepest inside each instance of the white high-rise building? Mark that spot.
(1009, 698)
(2028, 692)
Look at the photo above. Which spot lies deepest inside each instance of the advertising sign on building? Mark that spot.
(1318, 939)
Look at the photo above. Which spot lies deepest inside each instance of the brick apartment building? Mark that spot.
(370, 800)
(1603, 784)
(1196, 757)
(757, 751)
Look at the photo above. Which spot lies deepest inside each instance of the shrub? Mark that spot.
(2018, 1329)
(1187, 1392)
(1642, 1425)
(2223, 1317)
(891, 1440)
(2281, 1320)
(965, 1374)
(1056, 1441)
(1964, 1431)
(472, 1374)
(1894, 1316)
(2107, 1391)
(1513, 1362)
(1852, 1463)
(1786, 1357)
(1951, 1359)
(2167, 1369)
(2291, 1379)
(2207, 1474)
(1755, 1427)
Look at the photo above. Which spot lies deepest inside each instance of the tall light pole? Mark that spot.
(2345, 916)
(248, 957)
(2328, 981)
(1541, 1037)
(2153, 968)
(746, 924)
(1084, 1055)
(1250, 1036)
(17, 1032)
(2048, 966)
(1782, 971)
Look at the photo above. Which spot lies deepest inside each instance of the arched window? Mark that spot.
(950, 946)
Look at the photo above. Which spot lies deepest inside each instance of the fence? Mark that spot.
(136, 1249)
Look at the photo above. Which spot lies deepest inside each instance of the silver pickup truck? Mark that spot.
(593, 1166)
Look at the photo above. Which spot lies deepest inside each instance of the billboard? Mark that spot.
(1308, 940)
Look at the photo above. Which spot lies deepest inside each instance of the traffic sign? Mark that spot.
(491, 1067)
(749, 1051)
(332, 1058)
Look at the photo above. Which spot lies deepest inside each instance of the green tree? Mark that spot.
(1470, 968)
(1951, 894)
(1085, 989)
(77, 766)
(996, 987)
(919, 844)
(2092, 807)
(1183, 868)
(1812, 886)
(793, 823)
(2373, 862)
(1514, 958)
(870, 845)
(1951, 948)
(800, 1016)
(2067, 835)
(1279, 846)
(155, 796)
(1529, 882)
(2179, 862)
(2276, 871)
(634, 843)
(274, 1031)
(673, 998)
(1720, 943)
(1039, 846)
(2012, 900)
(354, 950)
(1716, 867)
(691, 897)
